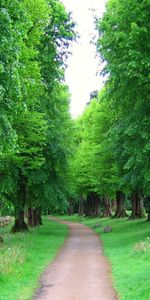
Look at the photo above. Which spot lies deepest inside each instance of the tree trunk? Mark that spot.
(36, 217)
(92, 205)
(147, 207)
(71, 207)
(40, 218)
(148, 216)
(30, 219)
(120, 205)
(106, 208)
(19, 224)
(87, 207)
(97, 206)
(137, 207)
(113, 205)
(1, 239)
(81, 207)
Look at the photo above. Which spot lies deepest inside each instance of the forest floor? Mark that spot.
(80, 271)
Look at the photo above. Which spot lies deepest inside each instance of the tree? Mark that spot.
(49, 183)
(93, 163)
(124, 46)
(35, 104)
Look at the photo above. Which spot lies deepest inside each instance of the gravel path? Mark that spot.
(80, 271)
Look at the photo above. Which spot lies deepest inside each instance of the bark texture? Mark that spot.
(137, 206)
(106, 208)
(147, 207)
(34, 217)
(148, 216)
(1, 239)
(120, 205)
(92, 205)
(19, 224)
(71, 207)
(30, 217)
(81, 207)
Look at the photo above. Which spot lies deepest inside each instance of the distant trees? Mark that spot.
(123, 43)
(93, 163)
(113, 156)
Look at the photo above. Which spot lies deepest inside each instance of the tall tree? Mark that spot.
(124, 46)
(35, 104)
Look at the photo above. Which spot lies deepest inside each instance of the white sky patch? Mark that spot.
(83, 65)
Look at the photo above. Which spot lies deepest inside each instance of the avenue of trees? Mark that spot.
(98, 163)
(34, 116)
(112, 156)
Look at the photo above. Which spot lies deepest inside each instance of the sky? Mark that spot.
(83, 72)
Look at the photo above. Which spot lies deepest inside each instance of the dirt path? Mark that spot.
(80, 271)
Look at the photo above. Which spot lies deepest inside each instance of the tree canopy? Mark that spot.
(34, 118)
(113, 153)
(49, 162)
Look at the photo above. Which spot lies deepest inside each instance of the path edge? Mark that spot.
(39, 283)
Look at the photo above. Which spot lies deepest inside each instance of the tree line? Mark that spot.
(112, 138)
(34, 116)
(49, 162)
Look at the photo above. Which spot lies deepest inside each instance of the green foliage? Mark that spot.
(124, 46)
(34, 118)
(93, 162)
(6, 207)
(112, 135)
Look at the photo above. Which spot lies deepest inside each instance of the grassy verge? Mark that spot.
(128, 249)
(24, 256)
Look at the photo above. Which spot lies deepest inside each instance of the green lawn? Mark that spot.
(24, 257)
(128, 249)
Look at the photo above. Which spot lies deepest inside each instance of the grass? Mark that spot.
(128, 250)
(24, 256)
